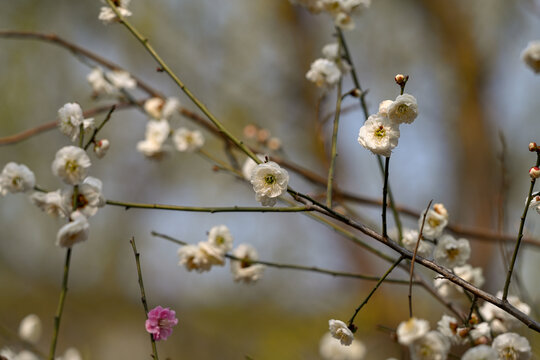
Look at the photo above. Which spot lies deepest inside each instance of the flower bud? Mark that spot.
(274, 143)
(533, 147)
(463, 332)
(534, 172)
(30, 329)
(263, 135)
(482, 340)
(250, 131)
(401, 79)
(101, 147)
(473, 320)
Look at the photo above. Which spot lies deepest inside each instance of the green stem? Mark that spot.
(381, 280)
(292, 266)
(520, 234)
(385, 193)
(60, 307)
(143, 294)
(334, 147)
(129, 205)
(144, 41)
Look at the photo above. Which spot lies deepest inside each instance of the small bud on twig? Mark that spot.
(534, 172)
(533, 147)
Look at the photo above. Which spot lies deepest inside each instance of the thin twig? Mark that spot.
(333, 155)
(98, 129)
(520, 234)
(143, 294)
(385, 192)
(293, 266)
(414, 257)
(381, 280)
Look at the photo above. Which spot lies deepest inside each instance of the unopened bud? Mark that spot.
(534, 172)
(250, 131)
(30, 329)
(482, 340)
(356, 93)
(401, 79)
(274, 143)
(533, 147)
(462, 332)
(101, 147)
(473, 320)
(263, 135)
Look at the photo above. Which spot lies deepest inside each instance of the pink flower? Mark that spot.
(160, 322)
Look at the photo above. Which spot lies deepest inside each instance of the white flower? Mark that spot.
(155, 135)
(379, 135)
(324, 73)
(331, 349)
(403, 110)
(52, 203)
(70, 118)
(249, 166)
(71, 354)
(161, 109)
(340, 331)
(107, 15)
(220, 237)
(16, 178)
(187, 140)
(511, 346)
(472, 275)
(89, 196)
(331, 51)
(481, 352)
(499, 319)
(101, 147)
(383, 107)
(75, 231)
(481, 330)
(411, 330)
(436, 221)
(30, 329)
(243, 269)
(121, 79)
(269, 181)
(410, 238)
(448, 327)
(535, 203)
(431, 346)
(70, 164)
(450, 252)
(200, 257)
(531, 56)
(212, 254)
(344, 21)
(99, 84)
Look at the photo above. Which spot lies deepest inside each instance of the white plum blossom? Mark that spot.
(448, 289)
(431, 346)
(244, 269)
(324, 73)
(161, 109)
(156, 133)
(220, 237)
(338, 9)
(481, 352)
(383, 107)
(448, 326)
(70, 119)
(250, 165)
(412, 330)
(107, 15)
(89, 197)
(450, 252)
(121, 79)
(331, 349)
(531, 56)
(187, 140)
(410, 238)
(200, 257)
(70, 164)
(269, 181)
(52, 203)
(331, 51)
(75, 231)
(101, 147)
(9, 354)
(340, 331)
(16, 178)
(535, 203)
(71, 354)
(379, 135)
(482, 330)
(436, 221)
(500, 320)
(30, 328)
(100, 85)
(511, 346)
(403, 110)
(212, 254)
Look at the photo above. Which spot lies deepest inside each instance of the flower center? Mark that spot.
(165, 323)
(433, 222)
(246, 262)
(16, 181)
(220, 240)
(402, 109)
(509, 354)
(71, 166)
(380, 132)
(81, 201)
(269, 179)
(452, 253)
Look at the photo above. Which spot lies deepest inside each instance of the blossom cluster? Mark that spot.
(380, 133)
(340, 10)
(325, 72)
(214, 250)
(475, 336)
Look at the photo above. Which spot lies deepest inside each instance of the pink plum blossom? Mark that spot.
(160, 322)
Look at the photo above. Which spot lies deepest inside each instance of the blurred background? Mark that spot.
(246, 60)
